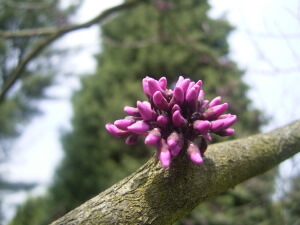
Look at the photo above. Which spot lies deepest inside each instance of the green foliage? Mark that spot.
(291, 202)
(35, 211)
(146, 41)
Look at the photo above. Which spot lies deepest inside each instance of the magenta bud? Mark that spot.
(192, 94)
(185, 84)
(199, 83)
(207, 137)
(153, 137)
(217, 125)
(153, 86)
(162, 120)
(201, 95)
(214, 112)
(145, 85)
(226, 132)
(173, 139)
(229, 121)
(160, 101)
(175, 151)
(163, 83)
(132, 139)
(139, 127)
(145, 111)
(225, 116)
(191, 85)
(177, 119)
(147, 104)
(202, 126)
(113, 130)
(194, 153)
(178, 95)
(164, 154)
(180, 79)
(214, 102)
(204, 103)
(123, 123)
(175, 108)
(131, 111)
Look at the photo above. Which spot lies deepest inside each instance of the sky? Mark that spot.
(265, 44)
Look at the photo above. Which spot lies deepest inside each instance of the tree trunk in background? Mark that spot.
(153, 195)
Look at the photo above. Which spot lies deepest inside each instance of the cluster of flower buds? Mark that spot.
(174, 118)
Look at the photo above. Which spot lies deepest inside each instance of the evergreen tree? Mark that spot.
(291, 203)
(163, 38)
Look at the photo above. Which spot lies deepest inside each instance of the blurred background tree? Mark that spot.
(163, 38)
(20, 104)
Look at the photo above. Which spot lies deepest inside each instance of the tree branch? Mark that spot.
(68, 28)
(153, 195)
(54, 33)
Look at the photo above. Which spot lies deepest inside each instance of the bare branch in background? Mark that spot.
(29, 5)
(54, 33)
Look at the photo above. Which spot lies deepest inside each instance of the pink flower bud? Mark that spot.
(139, 127)
(192, 94)
(175, 108)
(214, 112)
(207, 137)
(175, 151)
(153, 137)
(163, 83)
(191, 85)
(131, 111)
(173, 139)
(226, 132)
(123, 123)
(214, 102)
(217, 125)
(194, 153)
(113, 130)
(201, 95)
(180, 79)
(145, 111)
(229, 121)
(185, 84)
(204, 104)
(153, 86)
(177, 119)
(160, 101)
(178, 95)
(145, 85)
(162, 120)
(202, 126)
(164, 154)
(199, 83)
(132, 139)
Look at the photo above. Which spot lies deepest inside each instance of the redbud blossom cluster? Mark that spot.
(174, 118)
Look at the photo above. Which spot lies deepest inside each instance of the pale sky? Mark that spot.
(265, 44)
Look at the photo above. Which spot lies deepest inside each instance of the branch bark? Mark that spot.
(153, 195)
(54, 33)
(67, 28)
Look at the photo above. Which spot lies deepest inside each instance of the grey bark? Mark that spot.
(153, 195)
